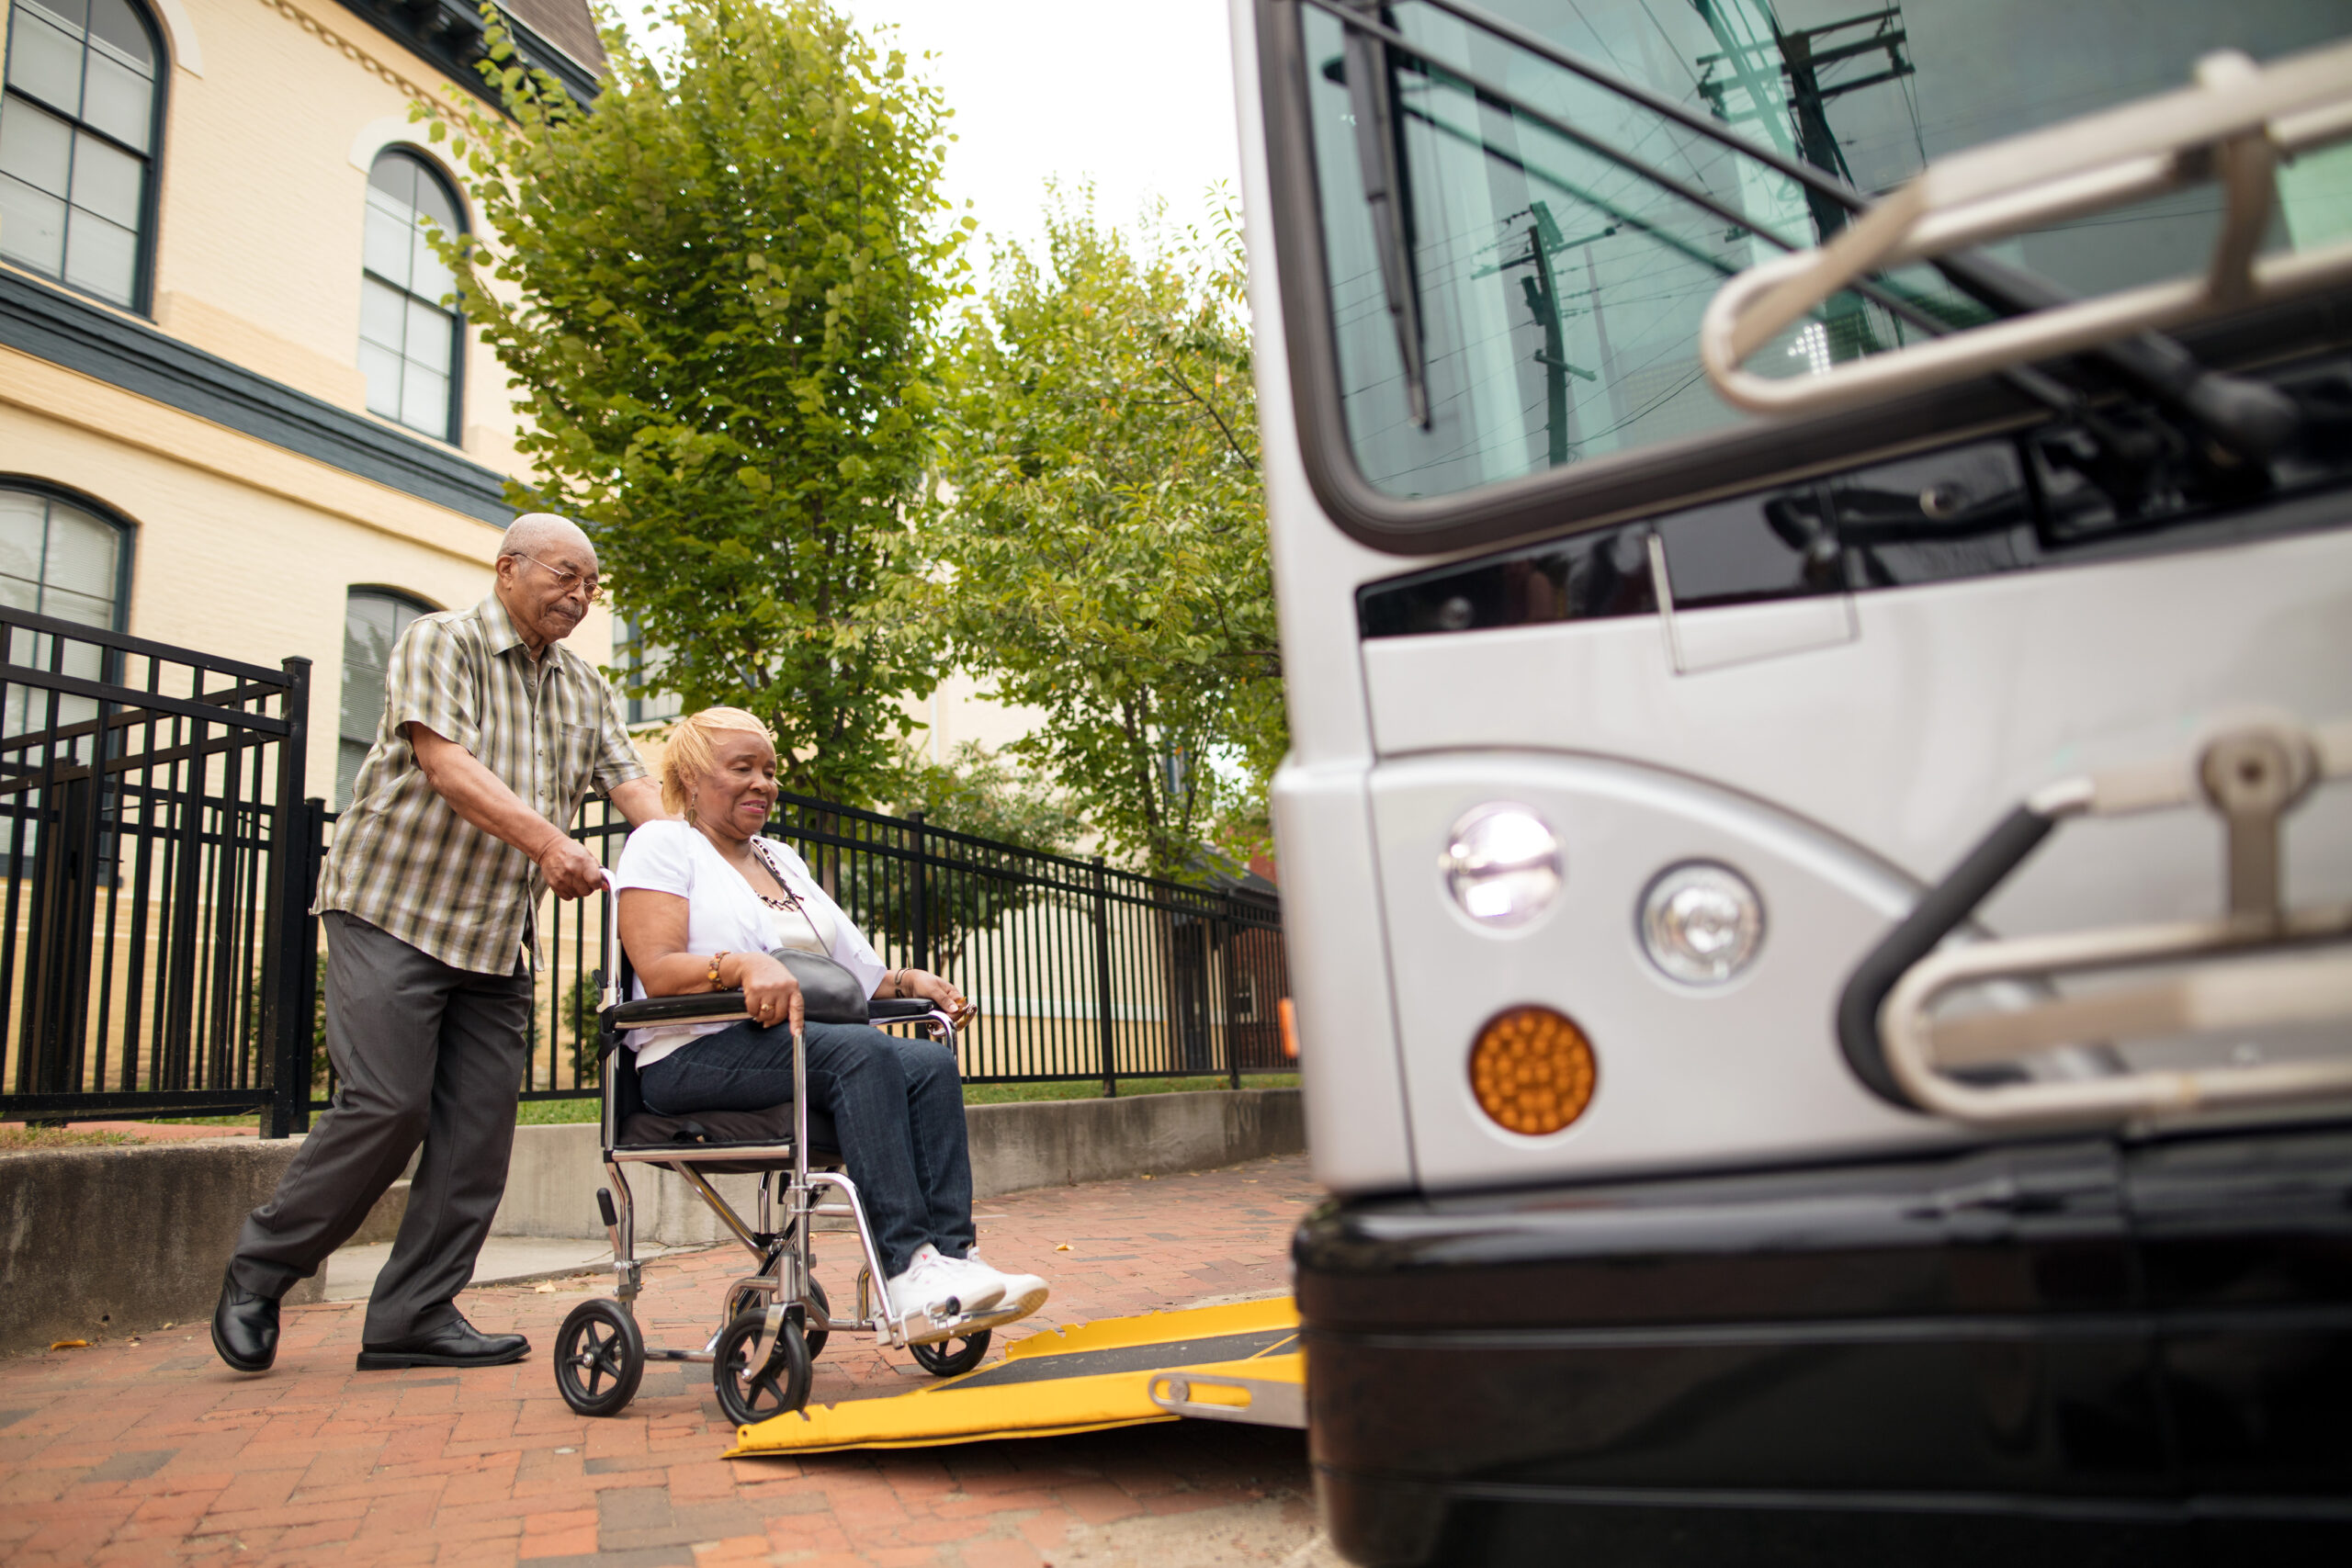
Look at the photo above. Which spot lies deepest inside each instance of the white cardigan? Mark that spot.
(724, 915)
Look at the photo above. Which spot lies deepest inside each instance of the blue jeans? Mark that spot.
(896, 1103)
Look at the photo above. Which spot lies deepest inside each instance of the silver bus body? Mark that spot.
(1589, 629)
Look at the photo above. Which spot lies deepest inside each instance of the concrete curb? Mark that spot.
(551, 1183)
(98, 1242)
(1058, 1142)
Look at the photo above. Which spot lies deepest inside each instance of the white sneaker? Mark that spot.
(1020, 1294)
(937, 1294)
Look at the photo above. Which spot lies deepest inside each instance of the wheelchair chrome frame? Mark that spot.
(784, 1279)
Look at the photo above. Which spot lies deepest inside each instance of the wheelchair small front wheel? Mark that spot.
(748, 1300)
(599, 1358)
(755, 1380)
(817, 1337)
(949, 1357)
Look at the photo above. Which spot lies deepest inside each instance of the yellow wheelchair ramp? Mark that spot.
(1235, 1362)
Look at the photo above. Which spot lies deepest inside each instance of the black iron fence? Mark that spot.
(159, 849)
(1081, 971)
(160, 858)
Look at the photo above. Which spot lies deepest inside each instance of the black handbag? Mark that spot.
(829, 993)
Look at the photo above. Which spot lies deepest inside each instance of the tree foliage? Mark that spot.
(1098, 540)
(714, 292)
(987, 796)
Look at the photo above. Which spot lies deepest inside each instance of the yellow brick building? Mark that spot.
(234, 415)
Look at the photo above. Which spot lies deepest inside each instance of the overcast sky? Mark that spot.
(1136, 96)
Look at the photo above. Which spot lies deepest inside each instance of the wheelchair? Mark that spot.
(775, 1321)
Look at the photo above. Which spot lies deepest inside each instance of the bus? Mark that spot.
(1812, 545)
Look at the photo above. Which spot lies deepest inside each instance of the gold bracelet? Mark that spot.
(716, 959)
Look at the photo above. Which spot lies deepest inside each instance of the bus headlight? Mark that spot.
(1702, 922)
(1502, 865)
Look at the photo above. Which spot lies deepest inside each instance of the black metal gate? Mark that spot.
(159, 856)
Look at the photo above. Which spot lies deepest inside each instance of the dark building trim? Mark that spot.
(449, 34)
(51, 323)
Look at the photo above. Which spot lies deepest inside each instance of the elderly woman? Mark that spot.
(703, 903)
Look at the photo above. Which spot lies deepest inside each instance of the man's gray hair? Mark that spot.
(537, 531)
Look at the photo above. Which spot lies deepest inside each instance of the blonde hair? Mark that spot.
(687, 752)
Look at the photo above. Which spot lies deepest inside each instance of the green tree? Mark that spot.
(1098, 540)
(714, 292)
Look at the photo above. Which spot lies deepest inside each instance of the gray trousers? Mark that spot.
(424, 1052)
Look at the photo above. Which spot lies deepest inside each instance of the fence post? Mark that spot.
(286, 1022)
(918, 927)
(1103, 975)
(1229, 946)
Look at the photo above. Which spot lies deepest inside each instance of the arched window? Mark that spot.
(57, 558)
(409, 339)
(78, 124)
(373, 619)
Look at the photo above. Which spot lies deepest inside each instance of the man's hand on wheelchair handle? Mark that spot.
(572, 872)
(482, 798)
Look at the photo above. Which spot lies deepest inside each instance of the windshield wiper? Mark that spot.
(2241, 420)
(1372, 99)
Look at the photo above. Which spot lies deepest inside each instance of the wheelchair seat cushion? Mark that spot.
(651, 1128)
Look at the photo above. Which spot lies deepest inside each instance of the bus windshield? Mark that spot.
(1517, 256)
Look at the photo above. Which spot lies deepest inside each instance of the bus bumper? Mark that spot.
(2073, 1352)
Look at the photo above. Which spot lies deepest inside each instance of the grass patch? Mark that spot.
(1092, 1088)
(15, 1140)
(247, 1120)
(554, 1113)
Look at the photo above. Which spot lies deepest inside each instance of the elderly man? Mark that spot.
(491, 735)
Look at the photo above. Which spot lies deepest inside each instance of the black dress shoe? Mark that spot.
(458, 1344)
(244, 1327)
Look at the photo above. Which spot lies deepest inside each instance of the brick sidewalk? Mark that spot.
(151, 1450)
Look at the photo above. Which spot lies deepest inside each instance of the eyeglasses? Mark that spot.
(565, 577)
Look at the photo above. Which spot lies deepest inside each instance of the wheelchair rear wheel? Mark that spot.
(947, 1358)
(599, 1358)
(756, 1381)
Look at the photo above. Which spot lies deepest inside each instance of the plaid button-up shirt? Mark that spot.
(406, 863)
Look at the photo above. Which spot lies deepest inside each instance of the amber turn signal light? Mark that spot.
(1533, 1070)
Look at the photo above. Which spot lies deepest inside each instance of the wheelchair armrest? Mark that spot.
(704, 1007)
(727, 1007)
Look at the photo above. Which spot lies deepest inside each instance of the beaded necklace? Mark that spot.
(790, 903)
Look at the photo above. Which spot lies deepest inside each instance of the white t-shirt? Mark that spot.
(724, 915)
